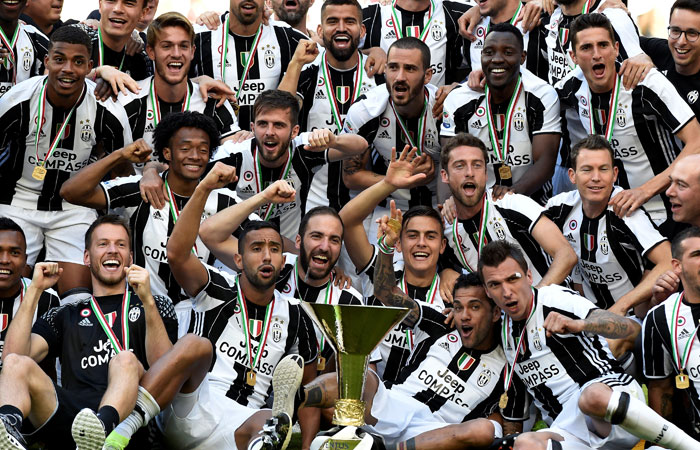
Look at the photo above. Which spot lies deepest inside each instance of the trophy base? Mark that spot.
(345, 439)
(349, 412)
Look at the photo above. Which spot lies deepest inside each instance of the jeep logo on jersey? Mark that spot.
(484, 378)
(693, 97)
(603, 245)
(519, 121)
(589, 241)
(621, 118)
(85, 131)
(27, 61)
(134, 314)
(276, 331)
(437, 31)
(342, 93)
(269, 58)
(384, 122)
(4, 320)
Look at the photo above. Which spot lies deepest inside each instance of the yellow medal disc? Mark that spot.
(682, 381)
(503, 402)
(321, 365)
(250, 378)
(505, 172)
(39, 173)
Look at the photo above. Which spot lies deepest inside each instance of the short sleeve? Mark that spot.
(122, 192)
(656, 360)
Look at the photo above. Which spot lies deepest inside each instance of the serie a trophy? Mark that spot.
(353, 331)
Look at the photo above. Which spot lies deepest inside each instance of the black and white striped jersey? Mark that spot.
(442, 37)
(671, 324)
(393, 353)
(612, 251)
(646, 119)
(292, 287)
(143, 116)
(9, 306)
(372, 117)
(217, 315)
(555, 368)
(327, 188)
(152, 227)
(456, 383)
(92, 123)
(536, 112)
(254, 177)
(511, 219)
(31, 47)
(274, 51)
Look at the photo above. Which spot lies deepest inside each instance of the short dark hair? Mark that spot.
(276, 99)
(166, 129)
(423, 211)
(586, 21)
(7, 224)
(318, 211)
(677, 243)
(169, 19)
(468, 280)
(505, 27)
(112, 219)
(254, 225)
(72, 34)
(590, 142)
(354, 3)
(495, 252)
(461, 140)
(411, 43)
(691, 5)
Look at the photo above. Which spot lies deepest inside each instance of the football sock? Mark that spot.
(146, 409)
(13, 414)
(109, 418)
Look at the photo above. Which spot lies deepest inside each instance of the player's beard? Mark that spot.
(246, 20)
(344, 54)
(107, 281)
(293, 18)
(305, 257)
(251, 273)
(566, 2)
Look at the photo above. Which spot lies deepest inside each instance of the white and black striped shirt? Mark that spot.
(30, 49)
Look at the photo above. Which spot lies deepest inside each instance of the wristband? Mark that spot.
(384, 248)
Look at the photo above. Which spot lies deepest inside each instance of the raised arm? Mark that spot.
(84, 187)
(548, 235)
(339, 147)
(187, 269)
(305, 53)
(19, 338)
(216, 232)
(599, 321)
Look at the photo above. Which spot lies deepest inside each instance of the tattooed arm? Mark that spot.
(356, 175)
(661, 396)
(599, 321)
(387, 292)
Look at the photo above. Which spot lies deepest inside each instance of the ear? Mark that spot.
(495, 313)
(617, 48)
(46, 60)
(86, 258)
(363, 31)
(572, 53)
(428, 76)
(529, 276)
(90, 64)
(319, 30)
(444, 176)
(238, 259)
(295, 131)
(572, 176)
(167, 154)
(150, 52)
(616, 171)
(523, 58)
(131, 258)
(398, 245)
(443, 244)
(297, 242)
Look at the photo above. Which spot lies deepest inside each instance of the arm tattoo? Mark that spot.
(353, 165)
(388, 293)
(609, 325)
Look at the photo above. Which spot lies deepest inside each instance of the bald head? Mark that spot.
(684, 192)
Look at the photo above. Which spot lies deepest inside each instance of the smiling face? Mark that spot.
(13, 260)
(109, 253)
(491, 7)
(474, 317)
(466, 175)
(594, 175)
(684, 191)
(68, 65)
(188, 153)
(261, 257)
(11, 9)
(405, 75)
(44, 12)
(421, 243)
(686, 54)
(320, 246)
(273, 132)
(120, 17)
(689, 264)
(508, 286)
(501, 59)
(291, 11)
(247, 12)
(595, 53)
(172, 54)
(341, 30)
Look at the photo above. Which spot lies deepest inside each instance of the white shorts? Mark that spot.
(576, 427)
(203, 419)
(63, 232)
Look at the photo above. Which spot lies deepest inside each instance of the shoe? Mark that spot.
(88, 431)
(277, 432)
(10, 436)
(285, 383)
(115, 441)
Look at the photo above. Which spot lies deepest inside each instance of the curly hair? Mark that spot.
(167, 128)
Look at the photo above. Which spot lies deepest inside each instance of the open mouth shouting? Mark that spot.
(249, 7)
(598, 70)
(469, 188)
(466, 331)
(266, 271)
(112, 265)
(342, 40)
(291, 5)
(175, 67)
(66, 82)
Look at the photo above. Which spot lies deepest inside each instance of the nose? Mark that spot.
(267, 254)
(4, 257)
(671, 191)
(118, 6)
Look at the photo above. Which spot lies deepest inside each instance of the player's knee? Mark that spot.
(125, 362)
(479, 433)
(594, 400)
(530, 441)
(18, 365)
(195, 347)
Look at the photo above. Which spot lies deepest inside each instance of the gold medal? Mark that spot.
(503, 401)
(39, 173)
(321, 365)
(250, 378)
(682, 381)
(505, 172)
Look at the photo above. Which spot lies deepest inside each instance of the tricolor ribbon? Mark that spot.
(510, 369)
(396, 23)
(501, 152)
(105, 326)
(254, 359)
(612, 113)
(421, 124)
(485, 205)
(330, 92)
(681, 359)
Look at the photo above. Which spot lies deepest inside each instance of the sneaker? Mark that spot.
(277, 432)
(88, 431)
(285, 383)
(10, 436)
(115, 441)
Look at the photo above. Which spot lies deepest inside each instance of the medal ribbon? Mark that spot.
(612, 114)
(330, 91)
(258, 178)
(22, 290)
(681, 360)
(40, 120)
(175, 211)
(249, 61)
(432, 291)
(586, 7)
(246, 332)
(508, 374)
(421, 124)
(9, 44)
(105, 326)
(512, 19)
(156, 105)
(101, 50)
(502, 151)
(485, 204)
(396, 23)
(328, 296)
